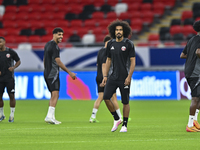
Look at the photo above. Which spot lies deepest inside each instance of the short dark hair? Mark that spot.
(1, 37)
(56, 30)
(126, 28)
(196, 26)
(107, 38)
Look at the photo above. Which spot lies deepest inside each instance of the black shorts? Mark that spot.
(9, 85)
(100, 89)
(194, 84)
(111, 87)
(53, 84)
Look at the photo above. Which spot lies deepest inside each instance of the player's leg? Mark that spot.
(114, 100)
(54, 87)
(110, 88)
(2, 87)
(97, 103)
(96, 107)
(11, 93)
(196, 124)
(125, 90)
(193, 106)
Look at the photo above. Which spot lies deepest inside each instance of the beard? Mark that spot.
(118, 36)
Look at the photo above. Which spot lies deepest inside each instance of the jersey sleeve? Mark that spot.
(104, 56)
(15, 55)
(56, 51)
(132, 49)
(185, 50)
(108, 50)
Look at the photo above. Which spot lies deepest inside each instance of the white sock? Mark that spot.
(190, 121)
(94, 112)
(119, 113)
(196, 114)
(12, 111)
(1, 111)
(51, 112)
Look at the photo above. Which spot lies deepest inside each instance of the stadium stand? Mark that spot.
(35, 19)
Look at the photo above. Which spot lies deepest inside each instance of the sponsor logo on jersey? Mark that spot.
(8, 55)
(112, 48)
(123, 48)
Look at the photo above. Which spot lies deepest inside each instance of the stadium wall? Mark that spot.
(156, 75)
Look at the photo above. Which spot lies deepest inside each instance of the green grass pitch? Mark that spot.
(155, 125)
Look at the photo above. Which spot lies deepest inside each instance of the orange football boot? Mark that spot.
(192, 129)
(196, 124)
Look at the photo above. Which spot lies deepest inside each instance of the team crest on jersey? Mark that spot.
(123, 48)
(8, 55)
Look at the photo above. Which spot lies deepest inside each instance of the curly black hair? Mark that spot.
(56, 30)
(126, 28)
(196, 26)
(107, 38)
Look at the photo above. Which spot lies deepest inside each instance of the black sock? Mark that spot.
(125, 121)
(115, 115)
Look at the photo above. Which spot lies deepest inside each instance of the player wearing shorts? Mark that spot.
(101, 60)
(7, 80)
(52, 63)
(121, 54)
(192, 75)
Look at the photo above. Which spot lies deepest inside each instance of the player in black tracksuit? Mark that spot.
(101, 60)
(7, 80)
(121, 53)
(192, 74)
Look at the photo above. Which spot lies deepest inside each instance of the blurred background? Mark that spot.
(160, 30)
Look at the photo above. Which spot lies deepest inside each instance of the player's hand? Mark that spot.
(127, 81)
(11, 69)
(103, 83)
(73, 75)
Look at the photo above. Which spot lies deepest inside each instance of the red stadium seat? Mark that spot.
(34, 16)
(81, 31)
(21, 16)
(175, 30)
(134, 7)
(49, 23)
(24, 9)
(9, 24)
(135, 14)
(100, 38)
(112, 2)
(76, 23)
(147, 17)
(98, 15)
(49, 30)
(48, 1)
(158, 9)
(124, 16)
(37, 8)
(3, 32)
(50, 8)
(76, 9)
(136, 25)
(187, 14)
(21, 39)
(153, 37)
(47, 16)
(104, 23)
(46, 38)
(188, 29)
(23, 24)
(169, 3)
(11, 9)
(59, 15)
(35, 2)
(98, 31)
(36, 24)
(99, 3)
(91, 23)
(111, 15)
(169, 44)
(62, 23)
(61, 8)
(9, 16)
(146, 7)
(34, 39)
(10, 39)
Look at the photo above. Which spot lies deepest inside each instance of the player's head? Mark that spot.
(119, 28)
(58, 35)
(2, 42)
(196, 26)
(106, 38)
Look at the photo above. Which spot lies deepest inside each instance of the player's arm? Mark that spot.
(63, 67)
(184, 56)
(11, 69)
(132, 68)
(105, 72)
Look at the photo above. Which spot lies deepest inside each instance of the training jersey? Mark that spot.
(101, 58)
(120, 54)
(7, 59)
(51, 68)
(192, 64)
